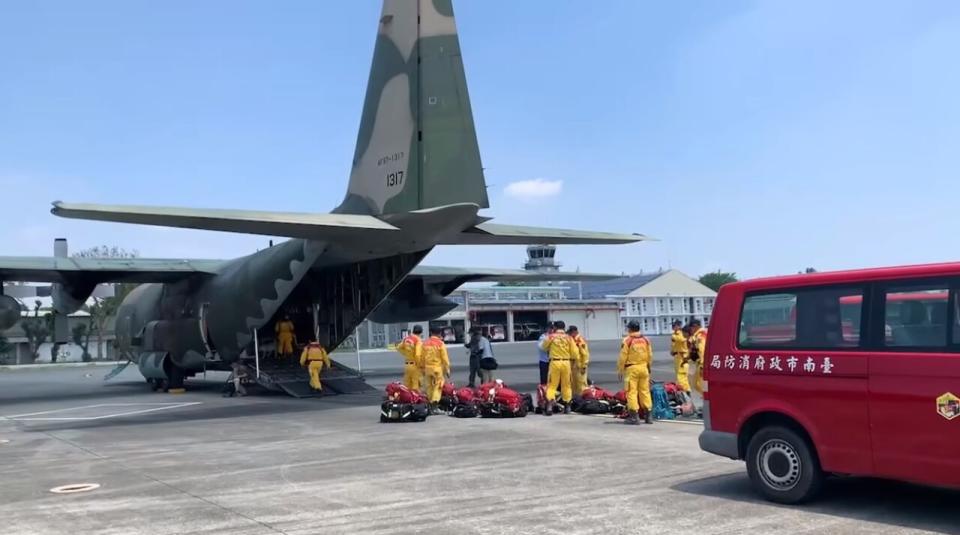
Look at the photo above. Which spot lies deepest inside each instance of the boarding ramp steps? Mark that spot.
(286, 375)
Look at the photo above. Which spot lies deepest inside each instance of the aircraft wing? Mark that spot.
(495, 234)
(448, 279)
(289, 224)
(422, 294)
(98, 270)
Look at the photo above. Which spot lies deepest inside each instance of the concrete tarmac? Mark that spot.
(197, 463)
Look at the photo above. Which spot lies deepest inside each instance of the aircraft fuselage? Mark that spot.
(208, 321)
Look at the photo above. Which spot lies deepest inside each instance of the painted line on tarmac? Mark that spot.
(682, 422)
(154, 408)
(82, 407)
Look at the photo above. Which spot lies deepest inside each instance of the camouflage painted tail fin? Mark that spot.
(417, 146)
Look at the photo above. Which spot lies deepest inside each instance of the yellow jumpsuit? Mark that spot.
(636, 357)
(284, 330)
(436, 365)
(699, 339)
(315, 357)
(562, 350)
(412, 350)
(579, 373)
(680, 351)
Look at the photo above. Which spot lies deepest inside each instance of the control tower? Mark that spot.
(542, 258)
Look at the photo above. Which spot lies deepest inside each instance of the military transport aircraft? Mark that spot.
(416, 182)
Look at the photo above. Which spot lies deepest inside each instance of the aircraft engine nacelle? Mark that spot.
(9, 312)
(181, 339)
(68, 298)
(404, 309)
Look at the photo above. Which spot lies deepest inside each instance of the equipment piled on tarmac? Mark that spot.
(448, 397)
(593, 400)
(542, 401)
(403, 405)
(498, 401)
(679, 401)
(467, 405)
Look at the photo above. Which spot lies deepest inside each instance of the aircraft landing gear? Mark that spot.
(157, 385)
(175, 378)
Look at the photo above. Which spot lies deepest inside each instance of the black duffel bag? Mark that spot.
(391, 411)
(488, 363)
(465, 410)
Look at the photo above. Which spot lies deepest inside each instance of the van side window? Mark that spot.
(916, 316)
(768, 320)
(956, 318)
(818, 318)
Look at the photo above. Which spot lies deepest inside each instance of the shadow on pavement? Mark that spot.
(221, 411)
(873, 500)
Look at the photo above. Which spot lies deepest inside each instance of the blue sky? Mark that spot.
(756, 137)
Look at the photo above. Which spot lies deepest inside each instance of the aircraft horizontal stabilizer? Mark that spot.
(494, 234)
(289, 224)
(441, 274)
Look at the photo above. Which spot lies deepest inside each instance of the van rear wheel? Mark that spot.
(782, 466)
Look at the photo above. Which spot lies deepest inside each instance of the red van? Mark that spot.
(853, 372)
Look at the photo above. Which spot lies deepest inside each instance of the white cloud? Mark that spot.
(531, 190)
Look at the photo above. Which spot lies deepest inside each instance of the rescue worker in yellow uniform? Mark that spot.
(562, 351)
(436, 365)
(579, 371)
(285, 337)
(315, 357)
(411, 347)
(681, 363)
(698, 351)
(633, 366)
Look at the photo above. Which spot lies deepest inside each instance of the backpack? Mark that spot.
(466, 395)
(394, 412)
(618, 405)
(448, 397)
(466, 404)
(590, 406)
(396, 391)
(542, 400)
(594, 392)
(661, 403)
(503, 403)
(465, 410)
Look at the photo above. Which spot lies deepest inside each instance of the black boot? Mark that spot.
(566, 407)
(632, 418)
(648, 417)
(548, 409)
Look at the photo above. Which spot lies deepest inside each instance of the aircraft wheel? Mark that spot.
(176, 378)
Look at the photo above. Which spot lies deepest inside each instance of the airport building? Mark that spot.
(600, 309)
(655, 300)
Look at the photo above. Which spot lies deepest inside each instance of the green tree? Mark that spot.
(717, 279)
(5, 349)
(81, 337)
(36, 329)
(105, 308)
